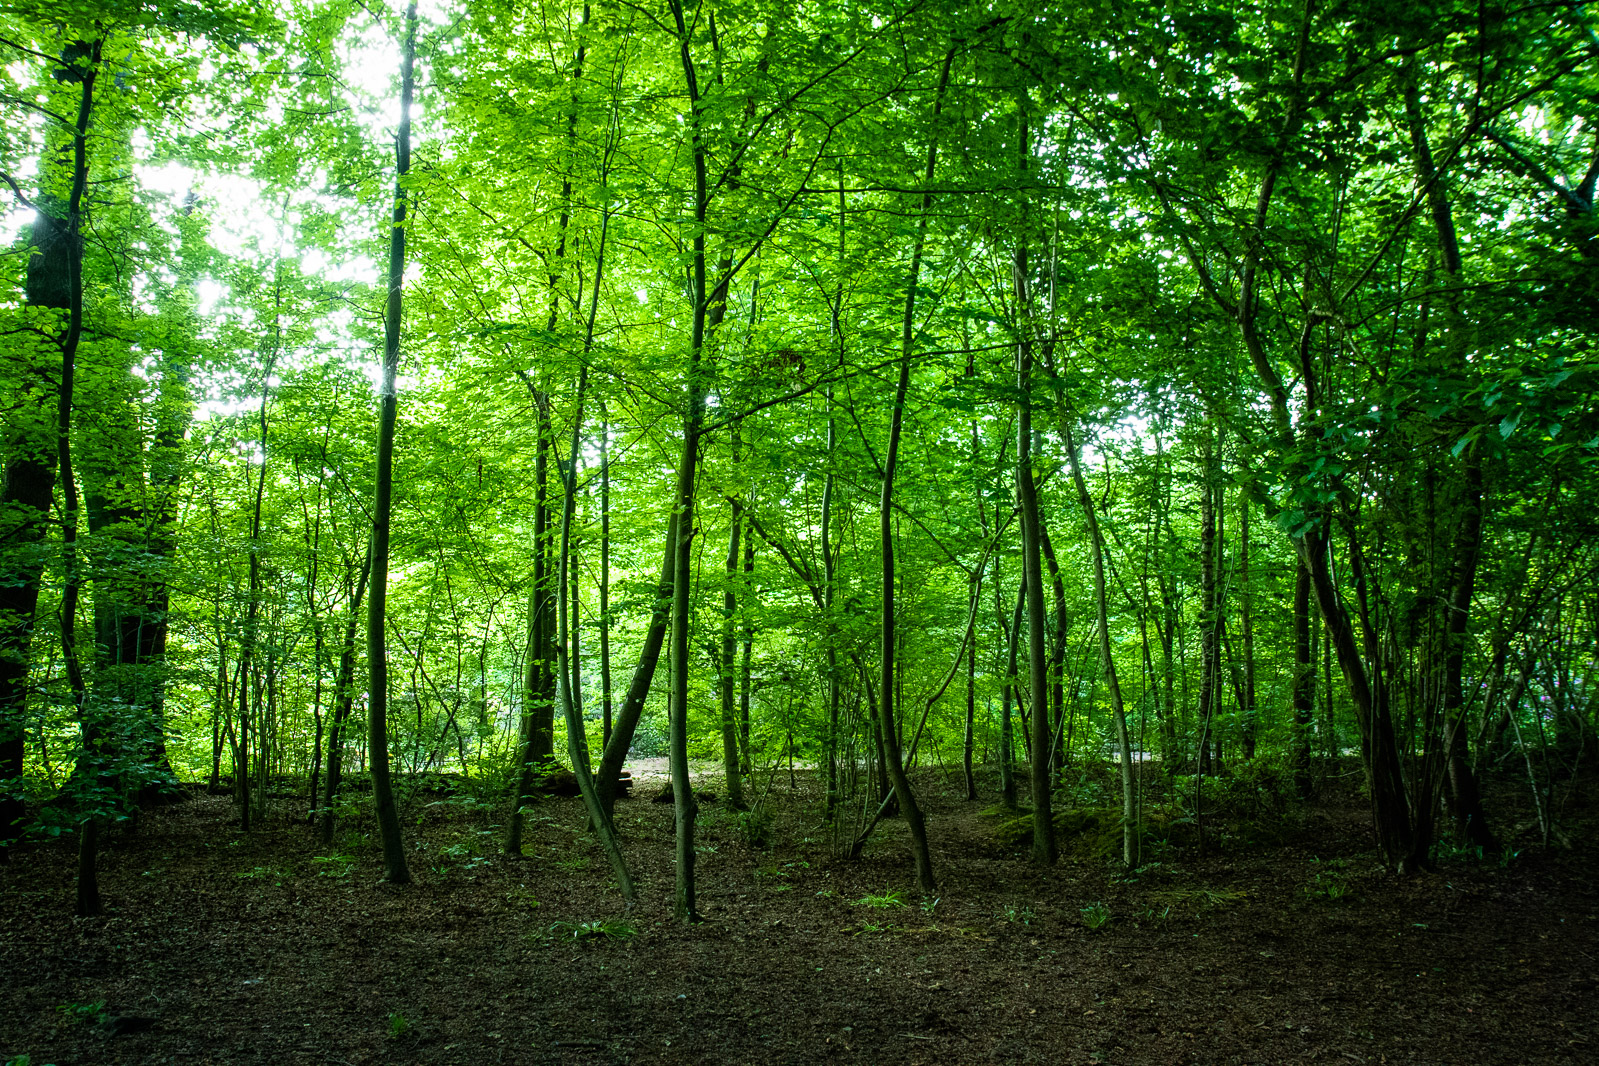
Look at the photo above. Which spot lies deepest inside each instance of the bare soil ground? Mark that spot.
(220, 947)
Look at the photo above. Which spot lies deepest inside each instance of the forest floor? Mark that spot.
(222, 947)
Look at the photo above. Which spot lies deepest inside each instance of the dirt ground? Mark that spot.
(220, 947)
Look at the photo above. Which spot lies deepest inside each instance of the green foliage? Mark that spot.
(1200, 898)
(1328, 886)
(521, 897)
(1083, 832)
(755, 825)
(1330, 883)
(399, 1025)
(83, 1013)
(595, 929)
(222, 373)
(890, 899)
(1095, 915)
(276, 874)
(337, 864)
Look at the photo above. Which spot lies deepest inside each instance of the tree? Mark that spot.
(382, 507)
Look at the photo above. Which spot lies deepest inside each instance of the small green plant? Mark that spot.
(597, 929)
(339, 864)
(1018, 915)
(398, 1025)
(576, 862)
(275, 874)
(755, 826)
(520, 896)
(84, 1013)
(1328, 886)
(929, 906)
(462, 855)
(892, 898)
(1095, 915)
(1201, 899)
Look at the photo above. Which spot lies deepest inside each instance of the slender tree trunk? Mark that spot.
(829, 592)
(1007, 743)
(1304, 682)
(1057, 647)
(1465, 798)
(968, 745)
(1246, 622)
(745, 680)
(394, 867)
(566, 661)
(1210, 620)
(53, 280)
(343, 702)
(696, 390)
(890, 632)
(1385, 784)
(1043, 851)
(605, 576)
(727, 681)
(92, 753)
(638, 691)
(1130, 834)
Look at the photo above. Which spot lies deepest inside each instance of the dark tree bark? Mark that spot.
(394, 867)
(1304, 682)
(1246, 622)
(343, 701)
(1007, 743)
(1210, 625)
(727, 681)
(53, 279)
(1465, 798)
(1043, 850)
(889, 636)
(1096, 543)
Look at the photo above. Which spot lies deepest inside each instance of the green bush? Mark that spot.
(1085, 832)
(755, 826)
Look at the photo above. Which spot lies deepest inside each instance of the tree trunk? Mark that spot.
(627, 717)
(1465, 799)
(1385, 784)
(889, 635)
(1246, 622)
(968, 746)
(747, 652)
(1304, 682)
(1043, 850)
(1130, 834)
(343, 702)
(1210, 618)
(53, 280)
(696, 389)
(566, 660)
(605, 577)
(394, 867)
(727, 681)
(1007, 743)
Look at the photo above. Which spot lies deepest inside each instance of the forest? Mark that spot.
(1019, 482)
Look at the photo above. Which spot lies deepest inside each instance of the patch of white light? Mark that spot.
(170, 179)
(643, 296)
(207, 294)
